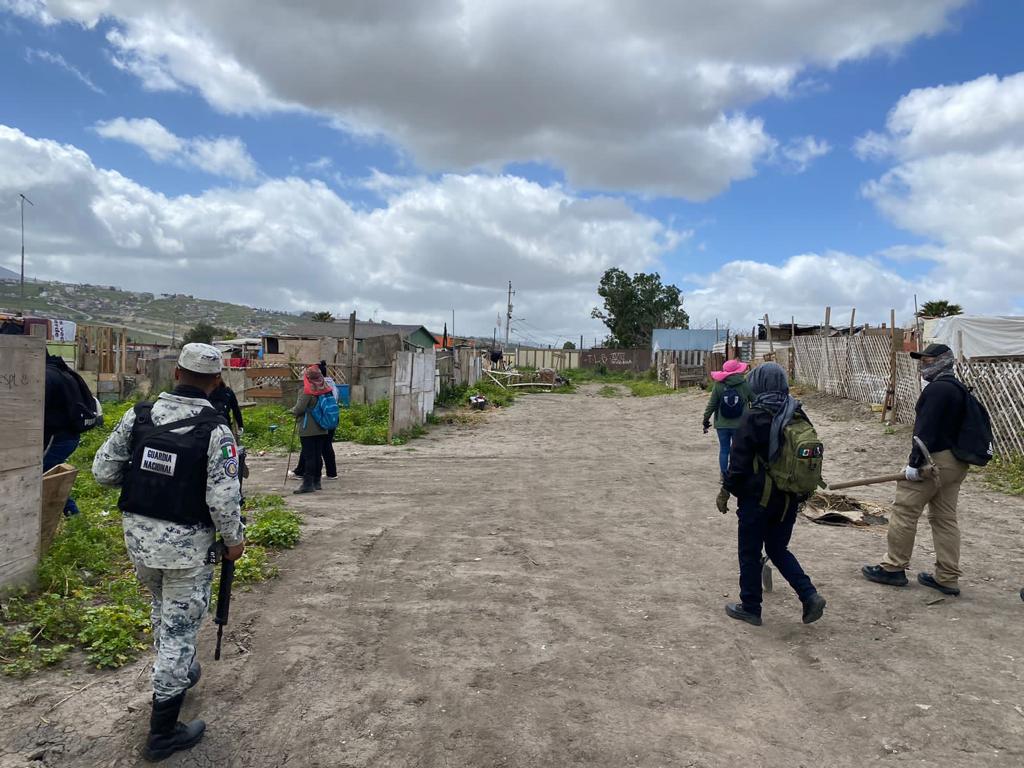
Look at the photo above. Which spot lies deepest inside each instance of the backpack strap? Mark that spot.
(143, 412)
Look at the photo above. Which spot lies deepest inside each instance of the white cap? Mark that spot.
(200, 358)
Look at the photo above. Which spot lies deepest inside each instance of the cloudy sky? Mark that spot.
(410, 157)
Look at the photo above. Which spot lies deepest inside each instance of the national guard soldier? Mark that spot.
(177, 465)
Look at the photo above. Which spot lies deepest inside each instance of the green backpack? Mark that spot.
(797, 470)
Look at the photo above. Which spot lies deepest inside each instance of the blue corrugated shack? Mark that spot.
(684, 339)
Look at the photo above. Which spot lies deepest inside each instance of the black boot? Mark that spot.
(317, 486)
(166, 734)
(306, 487)
(814, 608)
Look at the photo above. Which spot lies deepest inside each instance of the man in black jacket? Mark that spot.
(758, 441)
(223, 398)
(940, 412)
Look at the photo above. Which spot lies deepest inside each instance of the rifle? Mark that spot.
(227, 578)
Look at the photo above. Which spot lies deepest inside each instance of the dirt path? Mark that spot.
(546, 589)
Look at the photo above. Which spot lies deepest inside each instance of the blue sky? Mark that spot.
(440, 229)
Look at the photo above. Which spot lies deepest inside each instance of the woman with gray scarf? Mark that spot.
(758, 442)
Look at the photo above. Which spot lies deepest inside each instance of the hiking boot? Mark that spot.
(317, 485)
(879, 575)
(814, 608)
(306, 487)
(166, 734)
(195, 672)
(766, 574)
(927, 580)
(737, 611)
(722, 502)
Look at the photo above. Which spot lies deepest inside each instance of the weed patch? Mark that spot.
(1006, 475)
(609, 391)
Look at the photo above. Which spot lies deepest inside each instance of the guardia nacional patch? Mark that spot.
(231, 468)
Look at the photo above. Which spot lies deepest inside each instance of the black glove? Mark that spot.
(707, 426)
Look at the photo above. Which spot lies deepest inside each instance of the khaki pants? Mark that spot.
(941, 499)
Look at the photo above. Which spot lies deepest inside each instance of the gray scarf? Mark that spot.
(771, 392)
(938, 366)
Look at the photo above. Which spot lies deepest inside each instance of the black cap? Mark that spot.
(932, 350)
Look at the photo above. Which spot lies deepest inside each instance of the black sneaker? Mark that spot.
(737, 611)
(879, 575)
(814, 608)
(927, 580)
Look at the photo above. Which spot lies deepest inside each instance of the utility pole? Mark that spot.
(508, 322)
(24, 200)
(453, 329)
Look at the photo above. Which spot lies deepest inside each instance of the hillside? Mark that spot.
(151, 317)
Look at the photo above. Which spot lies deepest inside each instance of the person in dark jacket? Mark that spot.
(60, 439)
(225, 401)
(758, 441)
(940, 411)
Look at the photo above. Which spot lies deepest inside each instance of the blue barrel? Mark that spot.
(344, 395)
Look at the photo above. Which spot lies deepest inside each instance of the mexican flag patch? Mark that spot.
(228, 451)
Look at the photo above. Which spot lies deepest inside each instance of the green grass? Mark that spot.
(88, 597)
(1006, 475)
(609, 391)
(639, 384)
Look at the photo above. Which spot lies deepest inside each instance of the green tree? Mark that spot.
(940, 308)
(201, 333)
(322, 317)
(635, 306)
(568, 345)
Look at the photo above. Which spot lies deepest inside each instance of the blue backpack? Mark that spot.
(731, 404)
(325, 412)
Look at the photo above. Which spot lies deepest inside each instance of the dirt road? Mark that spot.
(547, 589)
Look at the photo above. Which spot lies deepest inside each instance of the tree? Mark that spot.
(635, 306)
(568, 345)
(322, 317)
(940, 308)
(201, 333)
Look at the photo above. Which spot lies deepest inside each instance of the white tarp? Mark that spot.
(982, 336)
(62, 330)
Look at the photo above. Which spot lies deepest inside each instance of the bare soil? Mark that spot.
(546, 588)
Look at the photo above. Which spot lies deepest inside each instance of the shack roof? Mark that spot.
(339, 330)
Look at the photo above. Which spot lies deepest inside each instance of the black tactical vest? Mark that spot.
(166, 477)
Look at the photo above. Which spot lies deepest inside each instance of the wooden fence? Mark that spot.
(860, 368)
(1000, 386)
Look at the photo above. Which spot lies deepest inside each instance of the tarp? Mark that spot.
(982, 336)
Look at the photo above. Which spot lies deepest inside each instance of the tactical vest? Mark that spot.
(166, 477)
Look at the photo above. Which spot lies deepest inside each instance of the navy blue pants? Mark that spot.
(724, 447)
(769, 529)
(58, 453)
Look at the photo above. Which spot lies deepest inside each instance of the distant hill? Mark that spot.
(148, 317)
(9, 274)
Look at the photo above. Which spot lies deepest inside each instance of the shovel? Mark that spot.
(928, 470)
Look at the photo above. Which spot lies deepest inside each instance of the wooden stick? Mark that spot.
(73, 694)
(768, 330)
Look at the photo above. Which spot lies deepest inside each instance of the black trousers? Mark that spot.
(326, 453)
(311, 460)
(769, 529)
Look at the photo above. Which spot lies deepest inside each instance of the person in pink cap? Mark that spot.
(729, 399)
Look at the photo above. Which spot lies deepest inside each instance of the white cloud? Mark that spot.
(741, 292)
(958, 180)
(800, 153)
(295, 244)
(34, 54)
(620, 95)
(222, 156)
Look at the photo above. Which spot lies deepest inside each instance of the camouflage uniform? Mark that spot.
(169, 558)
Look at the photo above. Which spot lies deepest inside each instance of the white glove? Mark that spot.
(913, 474)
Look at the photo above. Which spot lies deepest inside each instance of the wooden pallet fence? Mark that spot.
(681, 368)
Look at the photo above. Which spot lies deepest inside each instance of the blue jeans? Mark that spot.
(59, 452)
(769, 528)
(724, 446)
